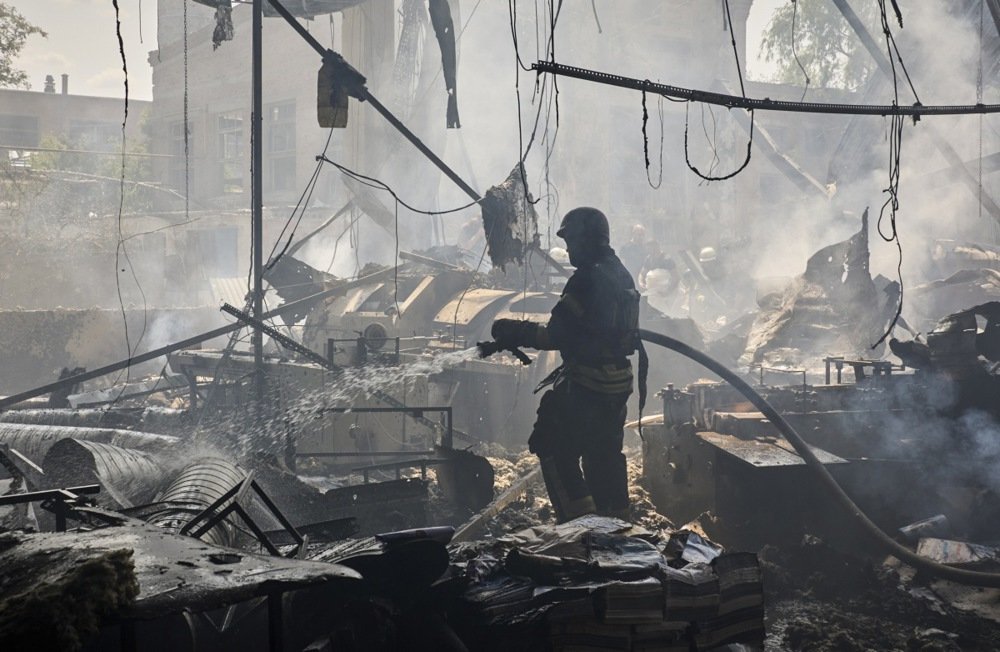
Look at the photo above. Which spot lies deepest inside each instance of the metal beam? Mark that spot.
(257, 209)
(752, 104)
(360, 91)
(364, 95)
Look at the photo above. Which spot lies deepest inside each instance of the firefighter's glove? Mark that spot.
(514, 332)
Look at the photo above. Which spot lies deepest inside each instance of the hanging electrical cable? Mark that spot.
(739, 71)
(711, 138)
(300, 208)
(645, 142)
(539, 91)
(372, 182)
(895, 146)
(121, 250)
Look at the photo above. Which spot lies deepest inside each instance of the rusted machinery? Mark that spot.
(905, 446)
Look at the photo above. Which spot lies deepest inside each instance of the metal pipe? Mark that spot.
(80, 418)
(257, 210)
(35, 441)
(129, 477)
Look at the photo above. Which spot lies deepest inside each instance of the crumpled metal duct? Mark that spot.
(79, 418)
(127, 477)
(34, 441)
(198, 485)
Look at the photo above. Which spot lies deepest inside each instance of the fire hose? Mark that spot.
(880, 538)
(883, 540)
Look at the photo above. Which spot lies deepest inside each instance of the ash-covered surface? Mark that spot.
(817, 598)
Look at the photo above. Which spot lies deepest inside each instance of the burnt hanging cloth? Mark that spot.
(444, 29)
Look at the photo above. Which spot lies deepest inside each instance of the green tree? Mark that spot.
(14, 32)
(826, 46)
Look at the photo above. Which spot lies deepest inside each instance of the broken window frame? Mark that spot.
(19, 130)
(230, 126)
(279, 146)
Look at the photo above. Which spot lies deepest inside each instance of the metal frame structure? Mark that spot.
(236, 497)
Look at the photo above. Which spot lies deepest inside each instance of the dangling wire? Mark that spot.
(891, 203)
(739, 72)
(979, 100)
(121, 251)
(300, 208)
(597, 19)
(709, 177)
(645, 141)
(711, 138)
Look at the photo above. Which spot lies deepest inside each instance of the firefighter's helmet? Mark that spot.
(586, 223)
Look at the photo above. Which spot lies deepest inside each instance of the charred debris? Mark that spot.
(371, 506)
(821, 473)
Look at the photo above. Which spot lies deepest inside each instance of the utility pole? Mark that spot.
(257, 210)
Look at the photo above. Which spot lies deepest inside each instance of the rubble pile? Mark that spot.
(834, 307)
(822, 599)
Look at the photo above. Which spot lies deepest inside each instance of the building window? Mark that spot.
(231, 151)
(18, 130)
(279, 142)
(95, 135)
(178, 168)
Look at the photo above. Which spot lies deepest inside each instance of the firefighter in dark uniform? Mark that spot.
(581, 418)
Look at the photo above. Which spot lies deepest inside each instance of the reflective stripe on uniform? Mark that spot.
(606, 379)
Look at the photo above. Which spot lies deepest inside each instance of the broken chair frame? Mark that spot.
(236, 498)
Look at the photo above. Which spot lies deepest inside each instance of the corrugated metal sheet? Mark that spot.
(231, 290)
(471, 305)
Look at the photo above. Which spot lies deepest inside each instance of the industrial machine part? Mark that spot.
(883, 540)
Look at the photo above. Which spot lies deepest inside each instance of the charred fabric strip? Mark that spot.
(128, 476)
(510, 221)
(766, 104)
(887, 543)
(198, 486)
(444, 30)
(34, 441)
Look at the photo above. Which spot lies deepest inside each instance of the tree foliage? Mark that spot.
(14, 32)
(827, 47)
